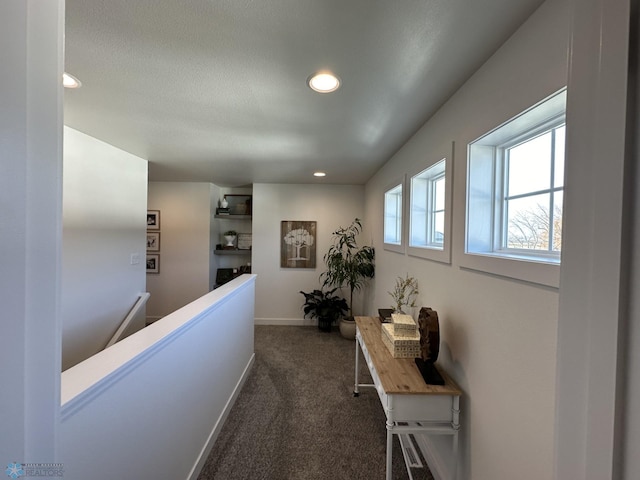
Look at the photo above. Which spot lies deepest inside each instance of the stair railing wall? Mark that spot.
(152, 405)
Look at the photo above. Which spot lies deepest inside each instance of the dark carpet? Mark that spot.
(296, 417)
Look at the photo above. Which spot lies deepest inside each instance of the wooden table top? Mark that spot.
(398, 375)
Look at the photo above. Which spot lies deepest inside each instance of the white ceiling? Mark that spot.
(215, 90)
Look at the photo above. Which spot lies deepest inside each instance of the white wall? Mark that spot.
(595, 265)
(31, 61)
(277, 289)
(185, 226)
(104, 223)
(498, 336)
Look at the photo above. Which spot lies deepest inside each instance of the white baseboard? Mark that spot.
(213, 436)
(285, 321)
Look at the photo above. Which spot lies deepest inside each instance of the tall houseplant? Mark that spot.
(348, 265)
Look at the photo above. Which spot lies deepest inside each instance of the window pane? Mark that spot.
(438, 186)
(438, 226)
(530, 166)
(558, 199)
(559, 153)
(528, 222)
(427, 207)
(393, 215)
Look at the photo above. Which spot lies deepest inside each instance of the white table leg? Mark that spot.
(389, 450)
(455, 424)
(355, 386)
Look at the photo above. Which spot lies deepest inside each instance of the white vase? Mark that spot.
(229, 239)
(348, 328)
(224, 203)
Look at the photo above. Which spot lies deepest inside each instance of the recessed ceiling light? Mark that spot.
(69, 81)
(323, 82)
(319, 174)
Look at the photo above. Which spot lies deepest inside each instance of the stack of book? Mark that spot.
(401, 336)
(222, 211)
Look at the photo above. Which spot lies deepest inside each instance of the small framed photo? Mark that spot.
(153, 241)
(244, 241)
(153, 263)
(153, 219)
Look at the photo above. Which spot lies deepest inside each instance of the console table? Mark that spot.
(411, 406)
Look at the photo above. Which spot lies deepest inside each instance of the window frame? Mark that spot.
(399, 182)
(501, 239)
(424, 182)
(430, 250)
(431, 241)
(485, 219)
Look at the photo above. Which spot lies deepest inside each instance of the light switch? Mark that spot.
(135, 258)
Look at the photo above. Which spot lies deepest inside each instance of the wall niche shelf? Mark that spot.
(234, 217)
(232, 252)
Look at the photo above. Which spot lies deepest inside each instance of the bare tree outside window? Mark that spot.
(533, 229)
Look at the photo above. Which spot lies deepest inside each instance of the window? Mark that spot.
(428, 207)
(430, 210)
(393, 218)
(533, 192)
(515, 182)
(393, 215)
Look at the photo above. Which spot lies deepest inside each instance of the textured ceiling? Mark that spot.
(215, 91)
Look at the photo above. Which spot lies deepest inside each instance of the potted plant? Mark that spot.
(325, 306)
(348, 265)
(404, 293)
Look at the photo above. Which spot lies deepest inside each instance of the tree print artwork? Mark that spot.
(298, 249)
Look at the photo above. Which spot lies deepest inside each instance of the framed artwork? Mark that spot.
(153, 263)
(244, 241)
(153, 241)
(297, 244)
(239, 204)
(153, 219)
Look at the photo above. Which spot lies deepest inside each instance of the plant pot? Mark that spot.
(324, 324)
(230, 239)
(348, 328)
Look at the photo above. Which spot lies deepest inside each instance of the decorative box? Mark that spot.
(406, 345)
(404, 324)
